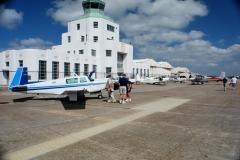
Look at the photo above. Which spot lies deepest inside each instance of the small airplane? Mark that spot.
(70, 86)
(155, 80)
(217, 78)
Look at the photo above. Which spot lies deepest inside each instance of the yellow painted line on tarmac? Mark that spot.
(34, 151)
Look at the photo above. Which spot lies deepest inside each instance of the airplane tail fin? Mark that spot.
(91, 76)
(20, 78)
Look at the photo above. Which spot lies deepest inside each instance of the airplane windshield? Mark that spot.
(72, 80)
(83, 79)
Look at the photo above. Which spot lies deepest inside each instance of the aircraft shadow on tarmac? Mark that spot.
(79, 105)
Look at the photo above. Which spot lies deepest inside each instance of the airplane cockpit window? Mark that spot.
(83, 79)
(72, 80)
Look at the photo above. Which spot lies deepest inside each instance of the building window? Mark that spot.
(148, 72)
(77, 68)
(7, 64)
(95, 68)
(137, 71)
(20, 63)
(67, 69)
(133, 71)
(68, 52)
(110, 28)
(42, 70)
(86, 69)
(81, 51)
(141, 72)
(108, 70)
(93, 52)
(55, 70)
(95, 38)
(95, 24)
(69, 39)
(82, 38)
(78, 26)
(108, 53)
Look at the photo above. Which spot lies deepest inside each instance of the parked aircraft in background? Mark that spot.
(214, 78)
(69, 86)
(155, 80)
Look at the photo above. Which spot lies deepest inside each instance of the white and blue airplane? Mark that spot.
(69, 86)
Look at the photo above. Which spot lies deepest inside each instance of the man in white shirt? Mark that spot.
(234, 82)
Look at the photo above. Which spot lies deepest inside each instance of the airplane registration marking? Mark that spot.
(34, 151)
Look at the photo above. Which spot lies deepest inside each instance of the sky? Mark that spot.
(203, 35)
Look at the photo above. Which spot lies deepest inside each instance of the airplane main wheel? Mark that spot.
(100, 96)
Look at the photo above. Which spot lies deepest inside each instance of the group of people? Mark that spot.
(232, 83)
(124, 86)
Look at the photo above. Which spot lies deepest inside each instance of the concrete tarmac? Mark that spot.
(172, 122)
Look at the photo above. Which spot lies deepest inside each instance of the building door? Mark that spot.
(6, 76)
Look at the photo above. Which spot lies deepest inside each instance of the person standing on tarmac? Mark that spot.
(129, 89)
(110, 89)
(123, 83)
(224, 83)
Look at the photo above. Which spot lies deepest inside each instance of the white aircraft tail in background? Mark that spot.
(69, 86)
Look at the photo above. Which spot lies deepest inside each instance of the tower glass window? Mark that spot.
(95, 24)
(7, 64)
(55, 70)
(42, 70)
(67, 69)
(88, 5)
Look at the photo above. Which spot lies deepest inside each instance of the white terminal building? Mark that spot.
(151, 68)
(90, 44)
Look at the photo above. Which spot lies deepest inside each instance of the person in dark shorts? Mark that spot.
(123, 83)
(224, 83)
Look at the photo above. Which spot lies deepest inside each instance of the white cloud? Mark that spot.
(10, 18)
(30, 43)
(64, 11)
(157, 29)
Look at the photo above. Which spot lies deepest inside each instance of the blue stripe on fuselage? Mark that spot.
(61, 86)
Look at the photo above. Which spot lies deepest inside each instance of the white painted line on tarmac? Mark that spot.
(34, 151)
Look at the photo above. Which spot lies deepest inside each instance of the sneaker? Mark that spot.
(123, 102)
(129, 100)
(120, 101)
